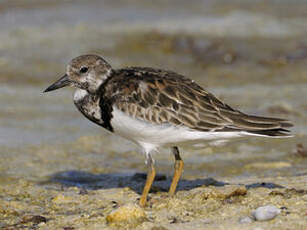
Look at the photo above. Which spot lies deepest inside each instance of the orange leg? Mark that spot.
(178, 171)
(150, 178)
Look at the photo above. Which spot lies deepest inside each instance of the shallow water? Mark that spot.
(252, 58)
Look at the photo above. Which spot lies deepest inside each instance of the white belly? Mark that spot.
(151, 136)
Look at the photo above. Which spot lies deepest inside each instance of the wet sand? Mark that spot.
(198, 204)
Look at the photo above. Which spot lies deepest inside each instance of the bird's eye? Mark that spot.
(83, 69)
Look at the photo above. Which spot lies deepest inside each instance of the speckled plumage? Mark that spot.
(160, 96)
(155, 108)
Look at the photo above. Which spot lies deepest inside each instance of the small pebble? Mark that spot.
(264, 213)
(34, 219)
(127, 215)
(83, 191)
(245, 220)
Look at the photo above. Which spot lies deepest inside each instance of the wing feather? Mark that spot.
(159, 96)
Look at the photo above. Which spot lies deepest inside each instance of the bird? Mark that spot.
(158, 108)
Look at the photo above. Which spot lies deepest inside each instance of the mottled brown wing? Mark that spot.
(159, 96)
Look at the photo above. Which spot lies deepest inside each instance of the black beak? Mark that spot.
(62, 82)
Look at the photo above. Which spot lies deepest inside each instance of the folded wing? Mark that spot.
(165, 97)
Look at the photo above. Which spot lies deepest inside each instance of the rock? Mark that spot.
(264, 213)
(130, 214)
(245, 220)
(225, 192)
(35, 219)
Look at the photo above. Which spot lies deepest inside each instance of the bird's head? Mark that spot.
(87, 72)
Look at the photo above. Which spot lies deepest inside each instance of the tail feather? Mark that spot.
(268, 120)
(272, 133)
(264, 126)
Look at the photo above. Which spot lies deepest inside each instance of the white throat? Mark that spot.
(79, 94)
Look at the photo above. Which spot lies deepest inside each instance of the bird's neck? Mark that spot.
(80, 94)
(95, 107)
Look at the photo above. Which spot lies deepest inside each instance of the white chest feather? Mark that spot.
(80, 94)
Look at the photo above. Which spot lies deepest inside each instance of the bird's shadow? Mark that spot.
(136, 181)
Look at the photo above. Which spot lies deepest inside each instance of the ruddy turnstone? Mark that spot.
(154, 108)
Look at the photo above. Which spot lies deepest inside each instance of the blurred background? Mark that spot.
(251, 54)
